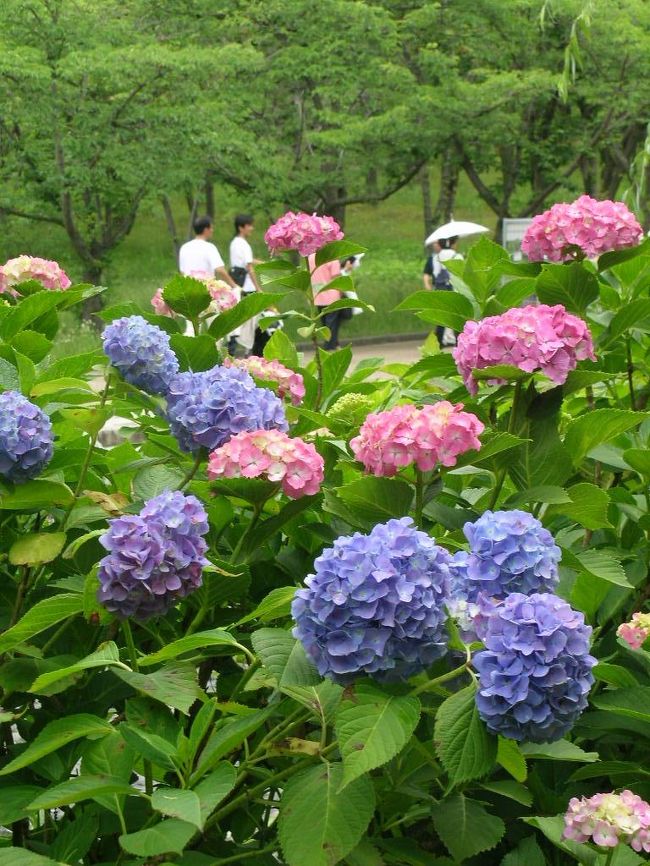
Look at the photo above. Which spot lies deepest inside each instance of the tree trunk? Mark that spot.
(193, 206)
(589, 172)
(171, 224)
(448, 185)
(427, 207)
(92, 273)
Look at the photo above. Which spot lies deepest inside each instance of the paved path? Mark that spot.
(406, 352)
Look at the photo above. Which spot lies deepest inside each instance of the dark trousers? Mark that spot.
(332, 321)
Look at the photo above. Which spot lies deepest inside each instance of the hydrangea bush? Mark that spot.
(309, 613)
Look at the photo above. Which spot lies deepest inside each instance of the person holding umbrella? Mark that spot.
(436, 276)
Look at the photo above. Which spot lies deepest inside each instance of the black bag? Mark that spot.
(239, 275)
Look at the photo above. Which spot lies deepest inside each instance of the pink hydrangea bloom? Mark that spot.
(273, 455)
(636, 632)
(159, 305)
(288, 382)
(403, 435)
(537, 337)
(595, 227)
(608, 819)
(224, 297)
(302, 232)
(24, 268)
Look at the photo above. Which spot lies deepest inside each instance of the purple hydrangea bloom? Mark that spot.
(535, 673)
(207, 409)
(155, 557)
(25, 438)
(509, 551)
(140, 351)
(376, 604)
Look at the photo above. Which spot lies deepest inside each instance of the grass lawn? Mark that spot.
(392, 231)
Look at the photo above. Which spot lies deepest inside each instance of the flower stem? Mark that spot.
(89, 453)
(444, 678)
(610, 856)
(419, 496)
(501, 474)
(257, 510)
(630, 373)
(192, 472)
(133, 656)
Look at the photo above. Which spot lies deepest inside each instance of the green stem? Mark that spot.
(192, 472)
(630, 373)
(20, 596)
(133, 656)
(257, 511)
(450, 675)
(236, 858)
(89, 453)
(248, 673)
(419, 496)
(610, 857)
(501, 474)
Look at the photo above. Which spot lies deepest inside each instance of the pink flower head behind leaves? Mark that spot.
(536, 337)
(587, 225)
(159, 305)
(403, 435)
(223, 296)
(24, 268)
(271, 454)
(608, 820)
(302, 232)
(636, 632)
(289, 383)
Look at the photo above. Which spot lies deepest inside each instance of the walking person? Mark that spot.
(242, 270)
(436, 277)
(200, 255)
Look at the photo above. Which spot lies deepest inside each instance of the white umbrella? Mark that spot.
(456, 229)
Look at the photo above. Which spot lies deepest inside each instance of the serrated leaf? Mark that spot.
(320, 824)
(598, 563)
(633, 315)
(227, 737)
(249, 306)
(174, 685)
(152, 480)
(212, 790)
(450, 309)
(553, 829)
(500, 371)
(491, 444)
(465, 827)
(168, 837)
(365, 854)
(35, 495)
(639, 460)
(466, 749)
(200, 640)
(278, 648)
(633, 702)
(44, 614)
(187, 296)
(178, 803)
(149, 745)
(601, 425)
(571, 285)
(510, 789)
(79, 788)
(377, 499)
(587, 505)
(276, 605)
(561, 750)
(105, 655)
(372, 727)
(36, 548)
(22, 857)
(509, 756)
(56, 734)
(195, 353)
(337, 250)
(527, 853)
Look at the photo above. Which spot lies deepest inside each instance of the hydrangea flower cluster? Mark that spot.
(289, 384)
(535, 673)
(26, 440)
(536, 337)
(271, 454)
(403, 435)
(24, 268)
(592, 226)
(608, 820)
(141, 352)
(206, 409)
(161, 308)
(509, 551)
(302, 232)
(155, 557)
(636, 632)
(375, 604)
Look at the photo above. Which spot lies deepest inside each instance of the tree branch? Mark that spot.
(375, 198)
(477, 182)
(10, 211)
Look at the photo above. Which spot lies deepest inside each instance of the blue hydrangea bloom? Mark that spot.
(140, 351)
(207, 409)
(155, 557)
(509, 551)
(25, 438)
(376, 604)
(535, 673)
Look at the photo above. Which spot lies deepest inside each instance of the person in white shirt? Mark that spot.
(242, 270)
(202, 256)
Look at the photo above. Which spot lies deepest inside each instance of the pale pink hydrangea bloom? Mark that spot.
(595, 227)
(635, 632)
(537, 337)
(609, 819)
(289, 383)
(303, 232)
(159, 305)
(24, 268)
(403, 435)
(223, 296)
(273, 455)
